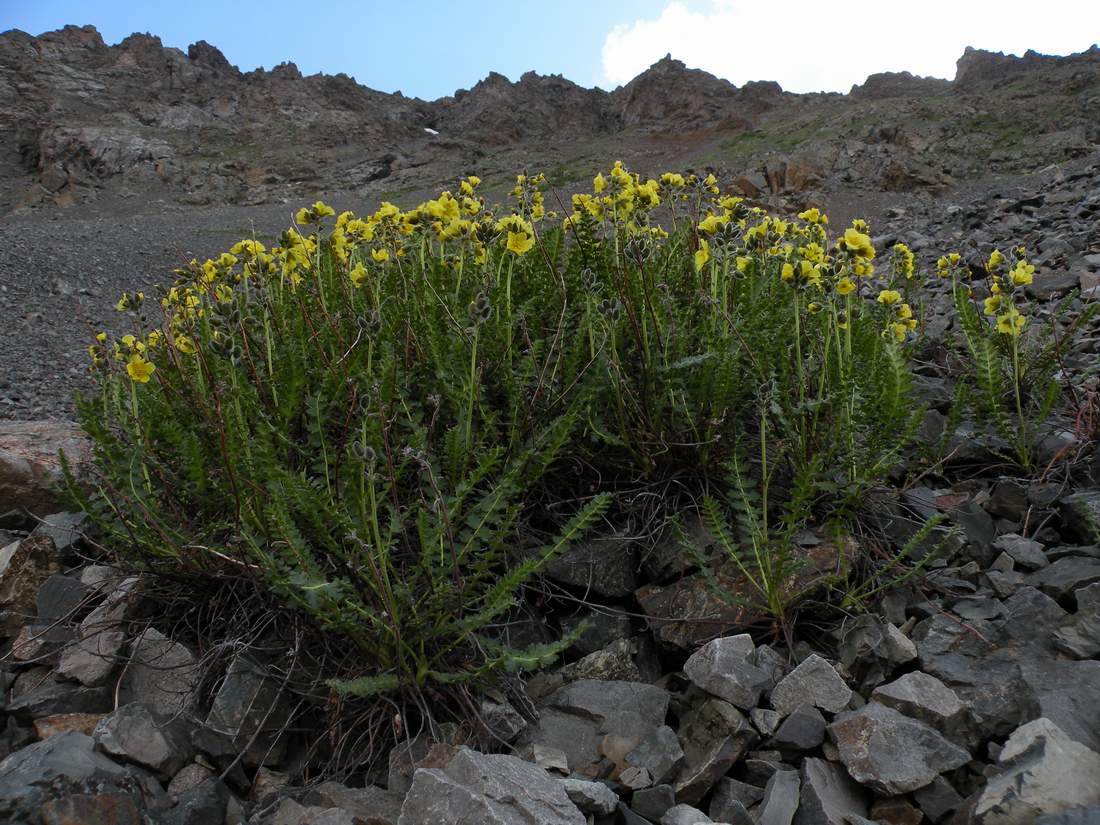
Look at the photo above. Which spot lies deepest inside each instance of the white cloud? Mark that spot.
(829, 45)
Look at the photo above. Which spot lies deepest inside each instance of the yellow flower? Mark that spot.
(139, 369)
(702, 254)
(897, 330)
(712, 223)
(889, 297)
(859, 243)
(673, 179)
(787, 273)
(599, 183)
(1023, 274)
(742, 263)
(845, 286)
(992, 304)
(380, 255)
(995, 260)
(519, 242)
(1011, 323)
(813, 215)
(358, 275)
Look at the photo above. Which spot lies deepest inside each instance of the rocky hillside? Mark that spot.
(83, 121)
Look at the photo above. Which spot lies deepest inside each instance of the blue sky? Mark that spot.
(444, 45)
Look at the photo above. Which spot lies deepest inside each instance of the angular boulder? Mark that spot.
(490, 790)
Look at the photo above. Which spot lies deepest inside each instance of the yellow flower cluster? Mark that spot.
(1007, 278)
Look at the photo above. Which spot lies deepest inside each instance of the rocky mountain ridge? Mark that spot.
(81, 120)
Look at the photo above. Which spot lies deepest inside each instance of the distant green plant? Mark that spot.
(1013, 362)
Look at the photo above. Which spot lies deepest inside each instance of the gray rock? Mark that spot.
(923, 697)
(1079, 635)
(250, 705)
(59, 597)
(814, 682)
(407, 753)
(1077, 816)
(781, 798)
(713, 737)
(683, 815)
(891, 753)
(204, 804)
(828, 796)
(871, 648)
(63, 528)
(135, 734)
(165, 674)
(52, 698)
(591, 797)
(604, 566)
(938, 799)
(64, 767)
(502, 720)
(724, 668)
(1027, 553)
(730, 793)
(803, 730)
(615, 663)
(491, 789)
(188, 777)
(659, 753)
(765, 720)
(372, 804)
(1066, 575)
(576, 718)
(652, 803)
(603, 628)
(93, 658)
(1043, 772)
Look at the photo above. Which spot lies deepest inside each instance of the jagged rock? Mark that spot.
(101, 636)
(814, 682)
(828, 795)
(926, 698)
(25, 565)
(204, 804)
(938, 799)
(659, 754)
(591, 797)
(187, 778)
(490, 789)
(802, 730)
(653, 803)
(725, 668)
(891, 753)
(501, 719)
(1043, 771)
(871, 648)
(604, 628)
(30, 472)
(765, 720)
(64, 776)
(1027, 553)
(1065, 575)
(896, 810)
(63, 528)
(576, 718)
(250, 707)
(688, 612)
(135, 734)
(713, 737)
(372, 805)
(614, 663)
(781, 799)
(1079, 635)
(683, 815)
(52, 698)
(730, 793)
(164, 673)
(59, 597)
(605, 567)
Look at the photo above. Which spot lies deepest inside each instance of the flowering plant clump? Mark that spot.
(393, 421)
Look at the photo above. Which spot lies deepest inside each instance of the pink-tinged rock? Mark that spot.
(30, 470)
